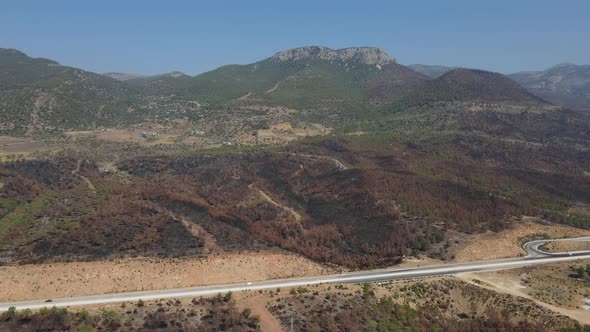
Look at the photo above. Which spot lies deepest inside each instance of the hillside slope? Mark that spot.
(465, 100)
(162, 85)
(315, 83)
(474, 85)
(309, 77)
(40, 94)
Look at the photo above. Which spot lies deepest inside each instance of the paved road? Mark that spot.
(535, 257)
(533, 247)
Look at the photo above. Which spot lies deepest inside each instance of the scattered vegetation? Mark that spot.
(205, 314)
(434, 305)
(582, 272)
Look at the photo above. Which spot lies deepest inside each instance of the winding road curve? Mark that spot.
(532, 248)
(535, 257)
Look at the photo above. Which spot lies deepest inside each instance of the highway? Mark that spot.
(535, 257)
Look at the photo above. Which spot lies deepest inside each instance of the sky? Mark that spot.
(151, 37)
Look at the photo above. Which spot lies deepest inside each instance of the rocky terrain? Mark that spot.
(365, 55)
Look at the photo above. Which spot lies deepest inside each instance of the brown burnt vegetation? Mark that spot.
(50, 216)
(353, 202)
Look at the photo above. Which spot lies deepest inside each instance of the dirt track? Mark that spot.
(512, 287)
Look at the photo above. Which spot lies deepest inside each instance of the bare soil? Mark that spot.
(352, 307)
(556, 284)
(542, 285)
(134, 135)
(12, 147)
(581, 208)
(269, 199)
(285, 132)
(257, 303)
(506, 243)
(565, 246)
(29, 282)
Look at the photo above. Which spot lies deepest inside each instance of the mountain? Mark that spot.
(339, 88)
(312, 76)
(466, 100)
(472, 85)
(162, 85)
(567, 85)
(40, 94)
(124, 76)
(433, 71)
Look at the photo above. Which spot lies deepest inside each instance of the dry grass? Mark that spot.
(134, 135)
(506, 243)
(29, 282)
(551, 286)
(565, 246)
(284, 132)
(16, 147)
(581, 208)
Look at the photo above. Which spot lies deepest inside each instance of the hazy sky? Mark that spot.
(195, 36)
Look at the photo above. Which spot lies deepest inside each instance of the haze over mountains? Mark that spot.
(567, 85)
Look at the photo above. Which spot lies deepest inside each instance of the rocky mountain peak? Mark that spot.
(367, 55)
(175, 74)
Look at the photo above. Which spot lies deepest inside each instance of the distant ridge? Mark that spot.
(565, 84)
(475, 85)
(433, 71)
(477, 101)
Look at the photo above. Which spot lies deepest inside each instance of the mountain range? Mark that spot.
(566, 85)
(335, 87)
